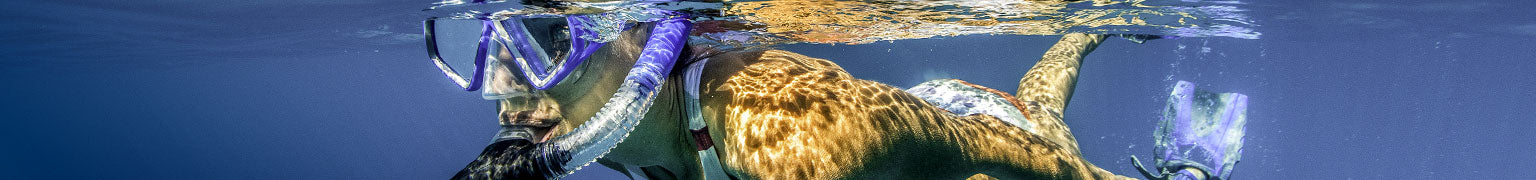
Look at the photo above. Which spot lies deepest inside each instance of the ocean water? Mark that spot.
(290, 89)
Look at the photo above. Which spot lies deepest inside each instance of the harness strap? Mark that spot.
(709, 161)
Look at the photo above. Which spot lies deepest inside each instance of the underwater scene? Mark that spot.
(767, 89)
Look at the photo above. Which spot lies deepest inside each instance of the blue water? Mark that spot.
(289, 89)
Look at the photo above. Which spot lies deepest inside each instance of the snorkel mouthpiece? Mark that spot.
(515, 158)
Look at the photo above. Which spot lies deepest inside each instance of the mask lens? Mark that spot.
(541, 45)
(457, 46)
(504, 80)
(551, 35)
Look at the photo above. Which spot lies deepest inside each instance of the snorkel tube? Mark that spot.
(563, 155)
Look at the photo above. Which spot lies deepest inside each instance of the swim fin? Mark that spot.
(1143, 38)
(1198, 129)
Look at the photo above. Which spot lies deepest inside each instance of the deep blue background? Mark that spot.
(290, 89)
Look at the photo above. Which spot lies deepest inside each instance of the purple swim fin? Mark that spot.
(1200, 135)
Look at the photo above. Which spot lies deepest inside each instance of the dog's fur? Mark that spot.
(779, 115)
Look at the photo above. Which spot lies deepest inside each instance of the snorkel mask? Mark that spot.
(540, 63)
(472, 57)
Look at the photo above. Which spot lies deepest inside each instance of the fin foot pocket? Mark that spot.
(1200, 135)
(1142, 38)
